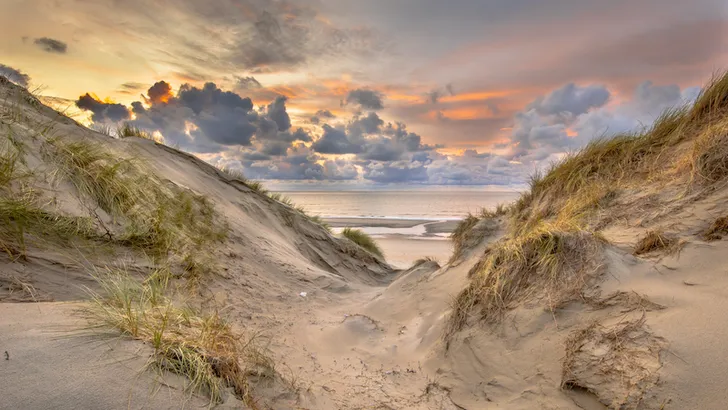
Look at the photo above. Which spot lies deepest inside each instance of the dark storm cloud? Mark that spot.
(205, 119)
(210, 96)
(382, 149)
(368, 99)
(370, 124)
(14, 75)
(51, 45)
(335, 141)
(103, 112)
(160, 92)
(411, 141)
(367, 137)
(277, 112)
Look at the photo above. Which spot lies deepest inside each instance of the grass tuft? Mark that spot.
(654, 241)
(551, 263)
(717, 229)
(363, 240)
(127, 130)
(157, 217)
(199, 346)
(710, 153)
(422, 261)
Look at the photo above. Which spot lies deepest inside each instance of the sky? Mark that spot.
(458, 92)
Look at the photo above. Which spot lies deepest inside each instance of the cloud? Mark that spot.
(14, 75)
(570, 117)
(316, 119)
(396, 172)
(247, 83)
(103, 112)
(277, 112)
(571, 99)
(369, 124)
(368, 99)
(131, 88)
(205, 119)
(335, 141)
(51, 45)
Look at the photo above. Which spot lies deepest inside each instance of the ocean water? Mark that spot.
(429, 203)
(417, 206)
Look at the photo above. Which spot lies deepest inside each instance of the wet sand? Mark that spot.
(431, 227)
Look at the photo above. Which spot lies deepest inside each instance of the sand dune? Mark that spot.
(595, 290)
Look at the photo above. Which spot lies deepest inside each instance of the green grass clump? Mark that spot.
(200, 346)
(22, 212)
(157, 217)
(363, 240)
(22, 215)
(99, 175)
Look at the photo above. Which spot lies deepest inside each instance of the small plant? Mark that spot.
(653, 241)
(199, 346)
(128, 130)
(551, 263)
(422, 261)
(365, 241)
(460, 234)
(103, 129)
(717, 229)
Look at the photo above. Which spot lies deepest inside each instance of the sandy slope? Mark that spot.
(365, 336)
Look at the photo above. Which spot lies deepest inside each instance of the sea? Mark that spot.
(371, 207)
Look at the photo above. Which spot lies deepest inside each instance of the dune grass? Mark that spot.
(105, 129)
(158, 217)
(23, 215)
(549, 249)
(200, 346)
(717, 229)
(21, 210)
(422, 261)
(365, 241)
(127, 130)
(653, 241)
(551, 263)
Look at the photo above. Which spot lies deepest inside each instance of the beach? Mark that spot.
(408, 224)
(404, 240)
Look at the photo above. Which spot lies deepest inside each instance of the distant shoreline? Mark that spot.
(431, 226)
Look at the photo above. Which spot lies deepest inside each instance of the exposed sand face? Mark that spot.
(347, 331)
